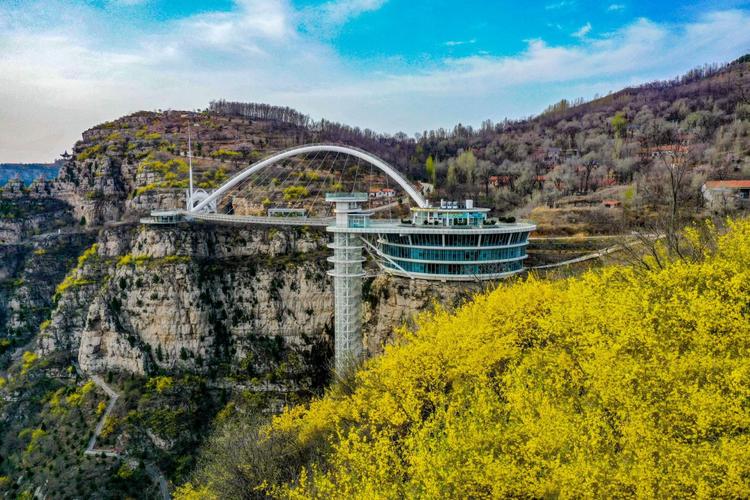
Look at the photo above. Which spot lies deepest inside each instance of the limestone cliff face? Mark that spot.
(94, 188)
(39, 239)
(29, 273)
(187, 298)
(195, 297)
(25, 212)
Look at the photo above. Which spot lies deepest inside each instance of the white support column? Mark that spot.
(347, 276)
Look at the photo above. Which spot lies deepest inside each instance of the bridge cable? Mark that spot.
(341, 176)
(239, 189)
(259, 180)
(250, 183)
(310, 181)
(330, 170)
(356, 176)
(291, 171)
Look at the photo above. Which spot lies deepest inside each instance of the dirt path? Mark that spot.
(92, 450)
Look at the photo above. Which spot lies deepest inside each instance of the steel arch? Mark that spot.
(315, 148)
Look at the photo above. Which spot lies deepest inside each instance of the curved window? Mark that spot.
(461, 240)
(457, 269)
(416, 253)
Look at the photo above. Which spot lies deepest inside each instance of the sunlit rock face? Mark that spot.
(189, 297)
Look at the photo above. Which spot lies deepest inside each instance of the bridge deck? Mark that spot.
(273, 221)
(246, 219)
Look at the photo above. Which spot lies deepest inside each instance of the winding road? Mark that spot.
(92, 450)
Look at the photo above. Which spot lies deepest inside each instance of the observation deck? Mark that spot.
(452, 242)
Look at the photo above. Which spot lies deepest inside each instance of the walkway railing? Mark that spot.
(272, 221)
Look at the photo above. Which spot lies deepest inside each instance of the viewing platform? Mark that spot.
(451, 242)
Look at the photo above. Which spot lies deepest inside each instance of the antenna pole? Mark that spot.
(190, 163)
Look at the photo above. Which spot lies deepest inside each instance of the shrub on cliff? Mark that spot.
(630, 381)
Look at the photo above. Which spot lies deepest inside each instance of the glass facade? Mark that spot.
(458, 240)
(454, 255)
(359, 221)
(451, 255)
(456, 270)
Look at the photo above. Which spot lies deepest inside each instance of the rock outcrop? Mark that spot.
(28, 275)
(189, 298)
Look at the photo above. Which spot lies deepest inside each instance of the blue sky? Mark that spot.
(390, 65)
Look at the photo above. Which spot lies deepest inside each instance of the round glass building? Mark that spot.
(451, 242)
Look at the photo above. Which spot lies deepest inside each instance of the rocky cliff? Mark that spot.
(197, 298)
(39, 241)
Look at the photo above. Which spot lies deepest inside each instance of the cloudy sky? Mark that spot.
(390, 65)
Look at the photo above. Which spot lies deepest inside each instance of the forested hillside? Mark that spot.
(620, 147)
(630, 138)
(631, 381)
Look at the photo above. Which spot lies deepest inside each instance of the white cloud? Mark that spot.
(456, 43)
(325, 19)
(63, 73)
(252, 20)
(559, 5)
(616, 7)
(341, 11)
(582, 31)
(128, 3)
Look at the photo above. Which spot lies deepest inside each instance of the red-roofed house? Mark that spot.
(500, 180)
(382, 193)
(719, 194)
(611, 203)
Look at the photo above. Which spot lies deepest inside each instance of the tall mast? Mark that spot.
(190, 164)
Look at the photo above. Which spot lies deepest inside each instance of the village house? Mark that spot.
(611, 203)
(547, 156)
(378, 193)
(500, 180)
(725, 194)
(673, 154)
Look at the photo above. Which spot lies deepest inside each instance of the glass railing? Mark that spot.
(346, 196)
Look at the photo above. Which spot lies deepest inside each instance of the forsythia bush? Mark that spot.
(620, 383)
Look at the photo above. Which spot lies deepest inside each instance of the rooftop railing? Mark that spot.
(347, 196)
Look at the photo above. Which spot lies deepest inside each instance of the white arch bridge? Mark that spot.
(303, 150)
(453, 241)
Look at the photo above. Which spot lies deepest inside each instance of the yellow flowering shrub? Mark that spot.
(72, 279)
(100, 408)
(36, 436)
(29, 358)
(110, 426)
(160, 383)
(619, 383)
(190, 492)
